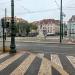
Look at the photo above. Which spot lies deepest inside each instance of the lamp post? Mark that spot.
(61, 22)
(3, 24)
(3, 20)
(13, 33)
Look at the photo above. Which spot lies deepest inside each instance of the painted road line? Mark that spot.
(40, 55)
(58, 46)
(9, 61)
(67, 66)
(72, 60)
(55, 59)
(10, 68)
(4, 55)
(34, 67)
(22, 68)
(45, 68)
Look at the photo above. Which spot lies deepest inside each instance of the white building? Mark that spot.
(48, 26)
(71, 27)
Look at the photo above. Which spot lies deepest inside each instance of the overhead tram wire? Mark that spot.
(61, 19)
(19, 0)
(43, 11)
(3, 2)
(57, 4)
(26, 9)
(40, 11)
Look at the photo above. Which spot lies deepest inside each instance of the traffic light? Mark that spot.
(3, 23)
(7, 24)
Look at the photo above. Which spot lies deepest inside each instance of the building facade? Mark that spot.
(19, 23)
(71, 27)
(48, 26)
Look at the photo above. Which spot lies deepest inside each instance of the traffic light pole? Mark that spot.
(4, 25)
(3, 40)
(61, 23)
(12, 46)
(62, 27)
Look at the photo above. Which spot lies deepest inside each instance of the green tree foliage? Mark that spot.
(33, 26)
(25, 28)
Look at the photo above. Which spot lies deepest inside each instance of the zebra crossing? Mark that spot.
(26, 63)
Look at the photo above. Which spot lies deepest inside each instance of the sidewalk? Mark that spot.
(36, 40)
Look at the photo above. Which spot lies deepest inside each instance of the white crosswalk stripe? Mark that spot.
(23, 66)
(41, 55)
(4, 55)
(45, 67)
(9, 61)
(72, 60)
(55, 59)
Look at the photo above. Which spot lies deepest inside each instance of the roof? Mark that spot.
(47, 21)
(72, 19)
(17, 19)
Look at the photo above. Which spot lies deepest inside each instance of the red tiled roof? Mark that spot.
(47, 21)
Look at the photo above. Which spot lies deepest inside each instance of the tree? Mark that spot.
(33, 26)
(23, 28)
(27, 28)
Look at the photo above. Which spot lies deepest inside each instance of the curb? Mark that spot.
(69, 43)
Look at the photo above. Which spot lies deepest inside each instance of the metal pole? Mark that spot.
(5, 22)
(70, 32)
(62, 26)
(61, 22)
(5, 15)
(12, 46)
(3, 41)
(3, 38)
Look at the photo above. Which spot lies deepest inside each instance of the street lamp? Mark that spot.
(13, 33)
(61, 22)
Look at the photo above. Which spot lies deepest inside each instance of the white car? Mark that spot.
(49, 34)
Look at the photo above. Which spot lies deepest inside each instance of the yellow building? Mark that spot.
(16, 20)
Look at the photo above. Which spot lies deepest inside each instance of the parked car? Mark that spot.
(50, 34)
(33, 34)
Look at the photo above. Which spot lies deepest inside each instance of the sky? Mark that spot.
(34, 10)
